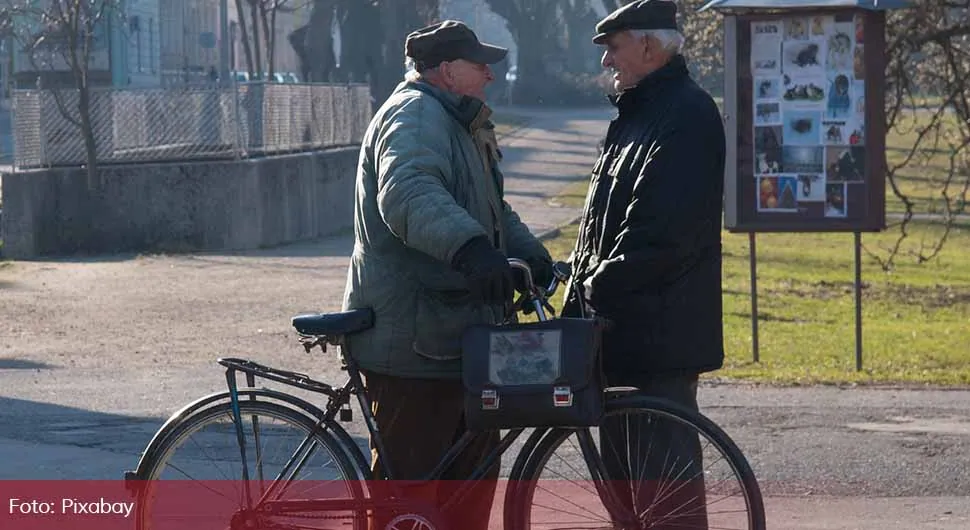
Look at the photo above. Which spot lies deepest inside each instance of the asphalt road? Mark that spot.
(96, 353)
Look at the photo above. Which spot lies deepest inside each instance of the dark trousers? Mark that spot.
(662, 458)
(418, 421)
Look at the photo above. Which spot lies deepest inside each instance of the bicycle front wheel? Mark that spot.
(651, 464)
(280, 454)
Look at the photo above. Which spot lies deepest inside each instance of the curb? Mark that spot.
(553, 233)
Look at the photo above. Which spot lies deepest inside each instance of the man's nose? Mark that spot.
(489, 75)
(607, 60)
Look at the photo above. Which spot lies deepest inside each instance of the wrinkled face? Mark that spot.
(466, 78)
(629, 57)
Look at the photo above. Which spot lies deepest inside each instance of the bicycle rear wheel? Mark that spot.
(677, 470)
(287, 457)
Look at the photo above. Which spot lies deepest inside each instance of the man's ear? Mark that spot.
(447, 74)
(649, 49)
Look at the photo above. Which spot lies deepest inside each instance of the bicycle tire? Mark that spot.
(188, 425)
(313, 412)
(518, 499)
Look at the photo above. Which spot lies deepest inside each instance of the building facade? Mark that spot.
(123, 45)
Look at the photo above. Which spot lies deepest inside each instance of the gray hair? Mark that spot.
(670, 40)
(412, 73)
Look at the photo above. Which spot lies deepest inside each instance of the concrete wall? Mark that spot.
(178, 207)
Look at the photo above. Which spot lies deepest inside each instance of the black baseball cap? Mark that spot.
(642, 14)
(447, 41)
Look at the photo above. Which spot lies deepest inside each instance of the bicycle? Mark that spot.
(318, 428)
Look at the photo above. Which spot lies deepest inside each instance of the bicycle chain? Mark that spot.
(308, 516)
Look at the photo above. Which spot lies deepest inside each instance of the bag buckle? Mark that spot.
(562, 396)
(489, 400)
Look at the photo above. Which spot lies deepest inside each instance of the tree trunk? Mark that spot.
(532, 37)
(269, 33)
(361, 46)
(244, 36)
(87, 131)
(398, 19)
(257, 42)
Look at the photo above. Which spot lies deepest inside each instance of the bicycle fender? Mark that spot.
(312, 411)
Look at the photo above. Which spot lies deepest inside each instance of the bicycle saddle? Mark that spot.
(339, 323)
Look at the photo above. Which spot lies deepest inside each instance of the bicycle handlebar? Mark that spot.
(561, 271)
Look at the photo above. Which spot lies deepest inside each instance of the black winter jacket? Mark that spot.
(650, 238)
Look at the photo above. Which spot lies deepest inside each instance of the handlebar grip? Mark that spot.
(562, 270)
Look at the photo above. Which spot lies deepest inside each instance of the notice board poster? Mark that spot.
(809, 157)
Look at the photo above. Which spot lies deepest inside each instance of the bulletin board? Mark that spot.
(809, 148)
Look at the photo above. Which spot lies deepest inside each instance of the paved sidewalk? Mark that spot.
(553, 151)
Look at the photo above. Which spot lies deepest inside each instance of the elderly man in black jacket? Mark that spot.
(648, 255)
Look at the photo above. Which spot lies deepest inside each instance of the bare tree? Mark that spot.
(928, 101)
(62, 37)
(258, 35)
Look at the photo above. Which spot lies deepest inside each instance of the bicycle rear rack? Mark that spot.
(253, 369)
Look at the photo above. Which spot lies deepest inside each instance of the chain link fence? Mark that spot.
(185, 124)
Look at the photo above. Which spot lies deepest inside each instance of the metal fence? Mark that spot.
(184, 124)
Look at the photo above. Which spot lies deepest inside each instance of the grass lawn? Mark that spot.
(916, 320)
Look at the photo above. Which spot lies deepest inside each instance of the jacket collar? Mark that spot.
(676, 68)
(472, 113)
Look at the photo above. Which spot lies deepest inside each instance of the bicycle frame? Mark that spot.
(339, 398)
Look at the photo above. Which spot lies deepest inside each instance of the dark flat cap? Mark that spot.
(447, 41)
(642, 14)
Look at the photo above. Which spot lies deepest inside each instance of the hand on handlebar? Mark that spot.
(537, 293)
(487, 271)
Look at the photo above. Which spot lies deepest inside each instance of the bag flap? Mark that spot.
(531, 357)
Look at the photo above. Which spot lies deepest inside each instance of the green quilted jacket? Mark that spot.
(427, 182)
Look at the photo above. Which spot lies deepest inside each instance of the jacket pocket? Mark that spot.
(441, 317)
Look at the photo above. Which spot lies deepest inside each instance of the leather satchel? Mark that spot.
(536, 374)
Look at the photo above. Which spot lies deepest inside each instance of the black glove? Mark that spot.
(487, 270)
(541, 271)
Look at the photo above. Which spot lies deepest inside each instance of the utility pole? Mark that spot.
(224, 42)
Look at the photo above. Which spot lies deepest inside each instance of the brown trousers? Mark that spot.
(418, 421)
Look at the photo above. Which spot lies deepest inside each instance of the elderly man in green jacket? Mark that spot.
(433, 234)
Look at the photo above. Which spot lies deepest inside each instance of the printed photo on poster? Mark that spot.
(858, 135)
(859, 30)
(766, 138)
(803, 58)
(836, 132)
(767, 88)
(859, 100)
(845, 164)
(839, 45)
(802, 159)
(768, 161)
(820, 25)
(796, 28)
(777, 194)
(858, 62)
(811, 187)
(804, 92)
(766, 38)
(840, 103)
(835, 204)
(767, 114)
(802, 128)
